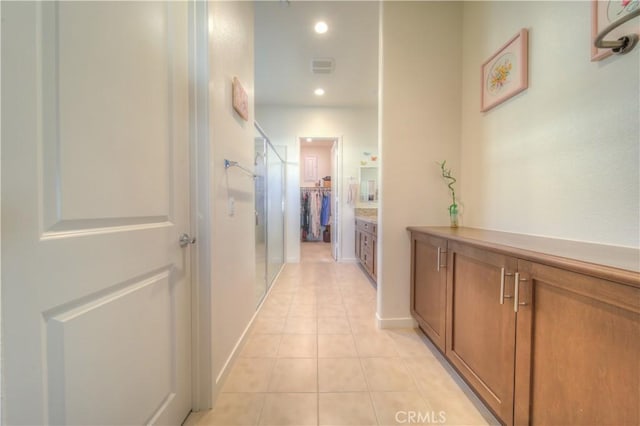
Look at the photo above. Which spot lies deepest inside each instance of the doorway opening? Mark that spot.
(319, 214)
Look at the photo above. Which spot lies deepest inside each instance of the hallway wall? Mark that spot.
(232, 236)
(283, 125)
(560, 159)
(420, 125)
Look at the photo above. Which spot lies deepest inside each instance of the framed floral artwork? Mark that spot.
(240, 100)
(606, 12)
(505, 73)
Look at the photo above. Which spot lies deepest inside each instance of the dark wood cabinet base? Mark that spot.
(541, 338)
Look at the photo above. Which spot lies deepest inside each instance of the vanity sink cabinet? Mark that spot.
(366, 244)
(544, 336)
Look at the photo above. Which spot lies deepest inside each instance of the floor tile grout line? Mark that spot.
(264, 402)
(350, 319)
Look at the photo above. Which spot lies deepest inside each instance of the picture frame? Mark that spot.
(240, 99)
(604, 13)
(505, 73)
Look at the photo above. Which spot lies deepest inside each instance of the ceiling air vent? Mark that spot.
(322, 65)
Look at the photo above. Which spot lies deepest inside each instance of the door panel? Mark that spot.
(96, 290)
(96, 84)
(429, 297)
(578, 343)
(335, 205)
(480, 338)
(78, 339)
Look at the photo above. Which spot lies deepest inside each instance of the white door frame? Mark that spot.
(336, 165)
(200, 179)
(336, 193)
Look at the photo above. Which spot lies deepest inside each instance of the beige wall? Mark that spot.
(562, 158)
(420, 125)
(358, 129)
(232, 237)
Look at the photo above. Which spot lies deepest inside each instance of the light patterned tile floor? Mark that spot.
(316, 357)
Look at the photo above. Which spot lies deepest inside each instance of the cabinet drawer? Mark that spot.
(366, 226)
(368, 260)
(366, 240)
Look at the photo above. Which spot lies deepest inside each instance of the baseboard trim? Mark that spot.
(224, 372)
(348, 260)
(388, 323)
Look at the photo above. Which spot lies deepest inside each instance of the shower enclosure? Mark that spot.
(269, 211)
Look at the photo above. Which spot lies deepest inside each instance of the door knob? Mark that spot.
(185, 240)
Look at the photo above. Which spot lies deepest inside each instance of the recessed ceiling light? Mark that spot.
(321, 27)
(319, 91)
(309, 139)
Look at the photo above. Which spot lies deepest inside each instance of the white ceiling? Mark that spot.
(285, 44)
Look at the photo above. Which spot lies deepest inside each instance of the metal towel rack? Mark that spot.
(622, 45)
(231, 163)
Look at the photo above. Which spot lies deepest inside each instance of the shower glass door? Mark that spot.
(269, 212)
(275, 211)
(261, 218)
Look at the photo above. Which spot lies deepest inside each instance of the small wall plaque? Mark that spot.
(240, 99)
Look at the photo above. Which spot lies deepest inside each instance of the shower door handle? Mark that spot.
(256, 212)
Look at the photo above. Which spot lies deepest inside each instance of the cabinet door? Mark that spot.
(578, 343)
(480, 339)
(357, 241)
(428, 286)
(374, 257)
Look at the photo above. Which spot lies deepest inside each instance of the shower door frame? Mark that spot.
(268, 145)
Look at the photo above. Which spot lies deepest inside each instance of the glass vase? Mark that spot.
(453, 216)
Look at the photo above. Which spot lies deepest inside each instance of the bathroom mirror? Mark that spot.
(368, 186)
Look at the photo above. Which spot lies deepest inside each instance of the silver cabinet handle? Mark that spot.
(517, 292)
(440, 252)
(502, 295)
(516, 298)
(185, 240)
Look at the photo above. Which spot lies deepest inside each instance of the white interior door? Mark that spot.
(96, 289)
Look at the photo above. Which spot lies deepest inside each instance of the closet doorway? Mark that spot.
(319, 193)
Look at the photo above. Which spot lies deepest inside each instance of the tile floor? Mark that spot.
(315, 252)
(315, 357)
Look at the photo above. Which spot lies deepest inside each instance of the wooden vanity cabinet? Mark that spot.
(428, 292)
(577, 349)
(481, 324)
(367, 246)
(559, 347)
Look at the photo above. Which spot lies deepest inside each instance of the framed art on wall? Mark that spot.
(240, 100)
(505, 73)
(603, 14)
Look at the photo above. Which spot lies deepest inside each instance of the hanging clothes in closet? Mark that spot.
(315, 212)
